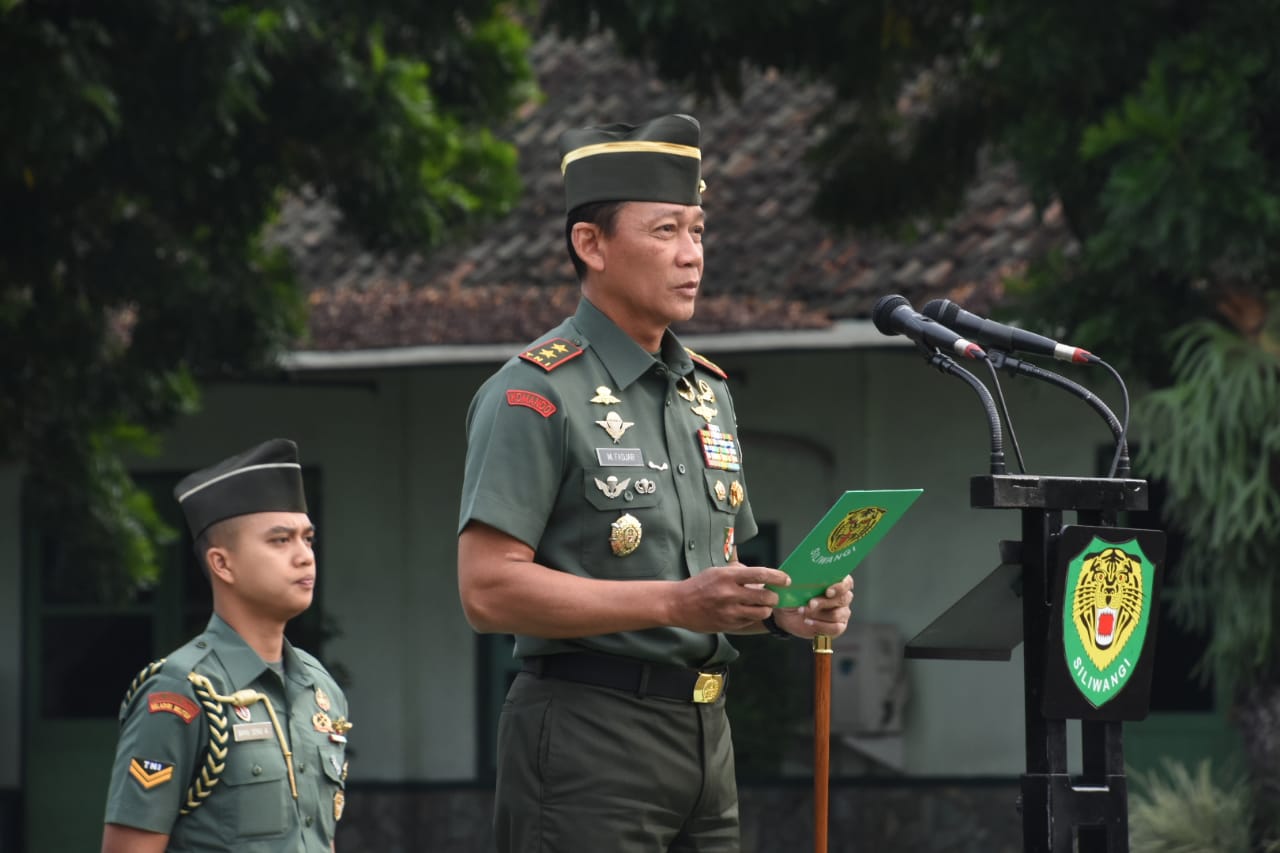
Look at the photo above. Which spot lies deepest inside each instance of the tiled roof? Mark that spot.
(770, 264)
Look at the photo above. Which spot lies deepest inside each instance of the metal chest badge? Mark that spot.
(624, 535)
(339, 803)
(719, 449)
(1105, 616)
(614, 425)
(322, 700)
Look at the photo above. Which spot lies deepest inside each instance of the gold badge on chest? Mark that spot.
(624, 535)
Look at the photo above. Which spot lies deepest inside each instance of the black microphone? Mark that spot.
(1004, 337)
(893, 315)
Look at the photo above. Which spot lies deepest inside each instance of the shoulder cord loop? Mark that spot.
(214, 704)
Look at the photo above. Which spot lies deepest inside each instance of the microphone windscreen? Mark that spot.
(884, 309)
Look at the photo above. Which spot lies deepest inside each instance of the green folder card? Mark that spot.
(846, 534)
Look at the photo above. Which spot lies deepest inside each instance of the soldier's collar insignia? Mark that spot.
(707, 363)
(552, 353)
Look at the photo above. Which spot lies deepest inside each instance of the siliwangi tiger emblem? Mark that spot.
(1108, 603)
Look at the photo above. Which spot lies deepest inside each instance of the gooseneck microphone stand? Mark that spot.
(947, 365)
(1016, 366)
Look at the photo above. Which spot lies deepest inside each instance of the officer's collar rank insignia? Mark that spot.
(615, 426)
(707, 363)
(604, 396)
(148, 773)
(719, 449)
(551, 354)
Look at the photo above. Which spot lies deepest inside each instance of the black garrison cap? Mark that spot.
(656, 161)
(265, 478)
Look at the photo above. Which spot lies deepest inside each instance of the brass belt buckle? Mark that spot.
(708, 687)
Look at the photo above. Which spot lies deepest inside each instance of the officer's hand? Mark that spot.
(828, 615)
(725, 598)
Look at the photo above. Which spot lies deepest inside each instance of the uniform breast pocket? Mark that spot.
(625, 531)
(726, 493)
(333, 760)
(256, 784)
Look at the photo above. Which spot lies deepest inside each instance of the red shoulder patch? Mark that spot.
(707, 363)
(537, 402)
(551, 354)
(173, 703)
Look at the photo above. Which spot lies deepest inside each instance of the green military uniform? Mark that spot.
(218, 749)
(615, 463)
(168, 724)
(546, 468)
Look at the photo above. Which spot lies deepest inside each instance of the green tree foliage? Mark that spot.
(147, 143)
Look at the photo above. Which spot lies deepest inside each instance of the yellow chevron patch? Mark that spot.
(150, 773)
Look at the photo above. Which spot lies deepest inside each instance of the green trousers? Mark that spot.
(583, 769)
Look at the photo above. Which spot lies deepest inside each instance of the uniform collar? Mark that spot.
(626, 360)
(243, 664)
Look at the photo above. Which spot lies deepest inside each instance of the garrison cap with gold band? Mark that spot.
(204, 731)
(607, 460)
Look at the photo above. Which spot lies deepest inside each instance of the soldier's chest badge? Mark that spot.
(615, 426)
(719, 449)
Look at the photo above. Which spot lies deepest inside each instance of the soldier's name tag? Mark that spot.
(251, 731)
(620, 457)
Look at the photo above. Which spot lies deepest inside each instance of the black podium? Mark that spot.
(1088, 593)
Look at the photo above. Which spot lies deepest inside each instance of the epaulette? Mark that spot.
(552, 353)
(707, 363)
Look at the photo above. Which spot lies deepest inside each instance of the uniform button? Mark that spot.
(257, 770)
(302, 768)
(662, 371)
(308, 821)
(202, 645)
(628, 496)
(692, 545)
(680, 468)
(668, 401)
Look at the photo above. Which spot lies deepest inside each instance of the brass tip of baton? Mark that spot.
(822, 645)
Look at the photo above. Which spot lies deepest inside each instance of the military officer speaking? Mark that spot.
(604, 495)
(237, 740)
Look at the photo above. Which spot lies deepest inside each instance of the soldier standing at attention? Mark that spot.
(237, 740)
(603, 496)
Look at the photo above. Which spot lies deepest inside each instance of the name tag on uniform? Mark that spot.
(251, 731)
(620, 457)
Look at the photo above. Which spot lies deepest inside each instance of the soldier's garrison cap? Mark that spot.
(656, 161)
(265, 478)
